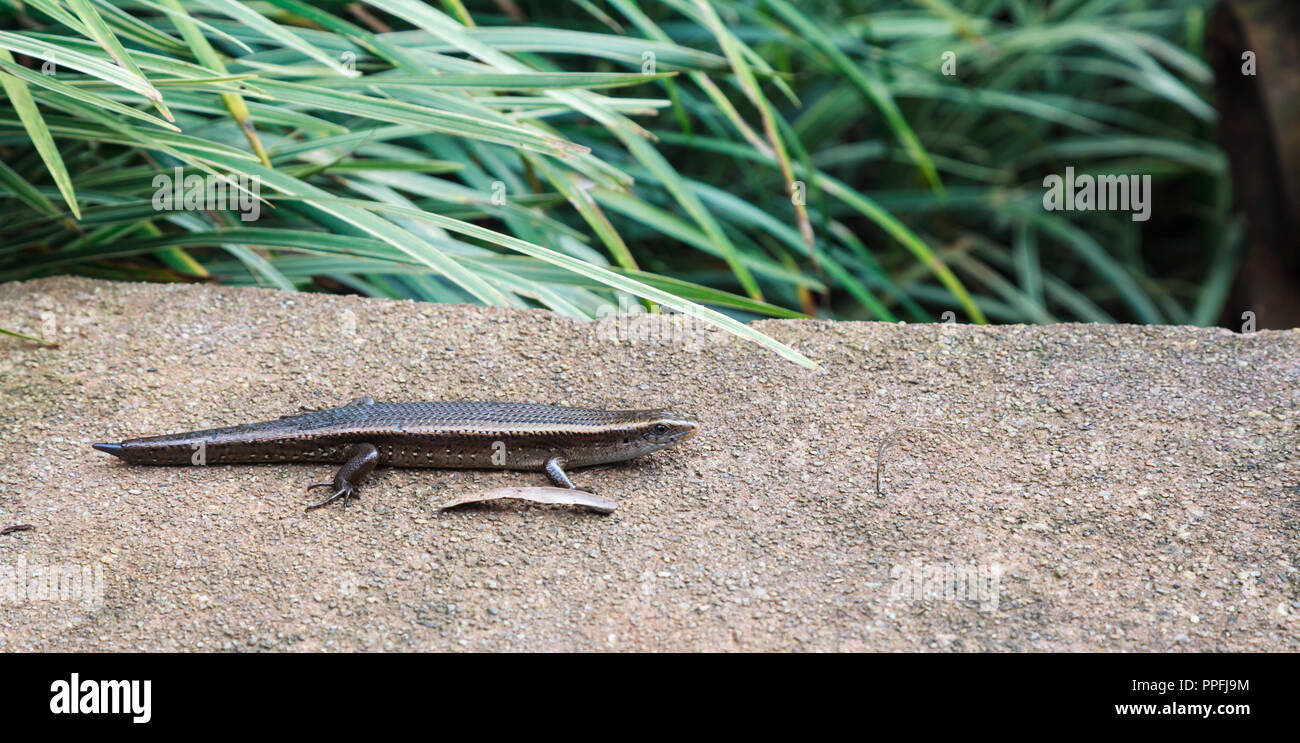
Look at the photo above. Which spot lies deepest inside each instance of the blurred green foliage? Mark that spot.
(858, 160)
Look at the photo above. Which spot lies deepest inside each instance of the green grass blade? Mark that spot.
(25, 106)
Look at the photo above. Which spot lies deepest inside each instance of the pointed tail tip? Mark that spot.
(114, 449)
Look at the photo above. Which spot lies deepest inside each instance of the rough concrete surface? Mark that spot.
(1074, 487)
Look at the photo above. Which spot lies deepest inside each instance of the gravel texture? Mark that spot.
(1073, 487)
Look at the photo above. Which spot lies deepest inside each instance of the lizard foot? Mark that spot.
(346, 492)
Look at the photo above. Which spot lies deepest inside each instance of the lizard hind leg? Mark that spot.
(362, 459)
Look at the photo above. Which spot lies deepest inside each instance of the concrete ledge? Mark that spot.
(1073, 487)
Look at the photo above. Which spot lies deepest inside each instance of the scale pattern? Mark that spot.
(489, 414)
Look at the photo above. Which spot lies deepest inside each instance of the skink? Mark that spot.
(477, 435)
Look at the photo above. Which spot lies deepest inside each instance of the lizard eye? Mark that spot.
(661, 428)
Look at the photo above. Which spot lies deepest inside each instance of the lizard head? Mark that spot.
(662, 428)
